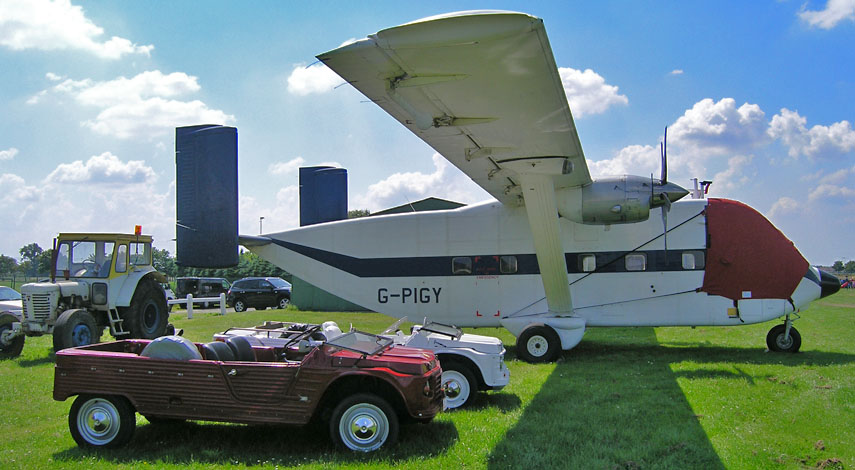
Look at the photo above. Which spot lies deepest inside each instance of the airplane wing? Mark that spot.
(481, 88)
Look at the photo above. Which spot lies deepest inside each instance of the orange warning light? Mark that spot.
(137, 230)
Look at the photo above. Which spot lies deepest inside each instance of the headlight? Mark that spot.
(99, 293)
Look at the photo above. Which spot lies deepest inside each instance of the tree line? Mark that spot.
(36, 262)
(841, 267)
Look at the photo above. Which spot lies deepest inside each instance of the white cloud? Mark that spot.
(588, 93)
(143, 105)
(58, 25)
(630, 160)
(291, 166)
(53, 77)
(676, 72)
(784, 205)
(8, 154)
(316, 78)
(104, 168)
(735, 175)
(791, 129)
(399, 188)
(834, 12)
(711, 128)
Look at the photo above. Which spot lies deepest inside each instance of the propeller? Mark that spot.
(663, 199)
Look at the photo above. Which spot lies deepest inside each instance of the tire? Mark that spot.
(538, 343)
(459, 383)
(240, 305)
(363, 423)
(283, 303)
(101, 421)
(147, 316)
(75, 328)
(776, 342)
(15, 345)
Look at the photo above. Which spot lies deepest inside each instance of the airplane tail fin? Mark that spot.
(206, 221)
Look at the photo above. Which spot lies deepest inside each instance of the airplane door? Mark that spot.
(486, 287)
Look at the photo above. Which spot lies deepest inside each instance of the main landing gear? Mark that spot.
(784, 338)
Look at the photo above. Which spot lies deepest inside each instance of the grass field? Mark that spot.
(625, 398)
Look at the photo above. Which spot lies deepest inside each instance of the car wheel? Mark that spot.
(240, 306)
(75, 328)
(776, 341)
(538, 343)
(13, 346)
(105, 421)
(459, 384)
(147, 315)
(283, 302)
(363, 423)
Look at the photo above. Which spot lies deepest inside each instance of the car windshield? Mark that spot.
(7, 293)
(363, 343)
(280, 283)
(448, 330)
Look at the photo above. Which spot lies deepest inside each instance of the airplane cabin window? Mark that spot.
(587, 263)
(508, 264)
(636, 262)
(461, 265)
(693, 260)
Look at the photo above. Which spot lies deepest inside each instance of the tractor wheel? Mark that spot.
(538, 343)
(104, 421)
(147, 316)
(75, 328)
(363, 423)
(13, 346)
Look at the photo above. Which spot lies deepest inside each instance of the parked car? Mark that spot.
(470, 363)
(260, 293)
(10, 301)
(201, 287)
(359, 385)
(11, 309)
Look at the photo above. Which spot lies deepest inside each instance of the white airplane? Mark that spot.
(556, 252)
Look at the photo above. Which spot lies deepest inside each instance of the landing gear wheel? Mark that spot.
(283, 302)
(75, 328)
(147, 315)
(459, 384)
(776, 341)
(9, 346)
(538, 343)
(363, 423)
(106, 421)
(240, 306)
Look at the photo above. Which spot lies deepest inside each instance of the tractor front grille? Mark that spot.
(37, 307)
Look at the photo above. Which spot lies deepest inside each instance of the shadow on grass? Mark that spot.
(610, 405)
(191, 442)
(49, 359)
(504, 402)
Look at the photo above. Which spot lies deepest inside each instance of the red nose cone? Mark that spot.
(746, 253)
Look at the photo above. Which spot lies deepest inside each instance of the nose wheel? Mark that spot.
(784, 338)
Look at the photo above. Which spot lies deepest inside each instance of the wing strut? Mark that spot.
(539, 194)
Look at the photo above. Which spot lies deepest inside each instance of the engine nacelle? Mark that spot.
(615, 200)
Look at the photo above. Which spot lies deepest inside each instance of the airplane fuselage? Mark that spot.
(476, 267)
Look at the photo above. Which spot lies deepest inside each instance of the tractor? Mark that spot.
(97, 280)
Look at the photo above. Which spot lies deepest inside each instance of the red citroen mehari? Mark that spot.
(362, 383)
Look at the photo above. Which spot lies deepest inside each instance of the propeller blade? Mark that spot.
(663, 149)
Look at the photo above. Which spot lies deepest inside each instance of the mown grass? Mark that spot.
(625, 398)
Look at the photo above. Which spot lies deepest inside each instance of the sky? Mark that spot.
(758, 97)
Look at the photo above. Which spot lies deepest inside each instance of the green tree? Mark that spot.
(837, 266)
(8, 265)
(43, 261)
(849, 267)
(30, 254)
(164, 262)
(357, 213)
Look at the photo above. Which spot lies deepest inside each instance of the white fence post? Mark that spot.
(189, 306)
(222, 303)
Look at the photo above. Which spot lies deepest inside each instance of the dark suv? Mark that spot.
(259, 292)
(200, 287)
